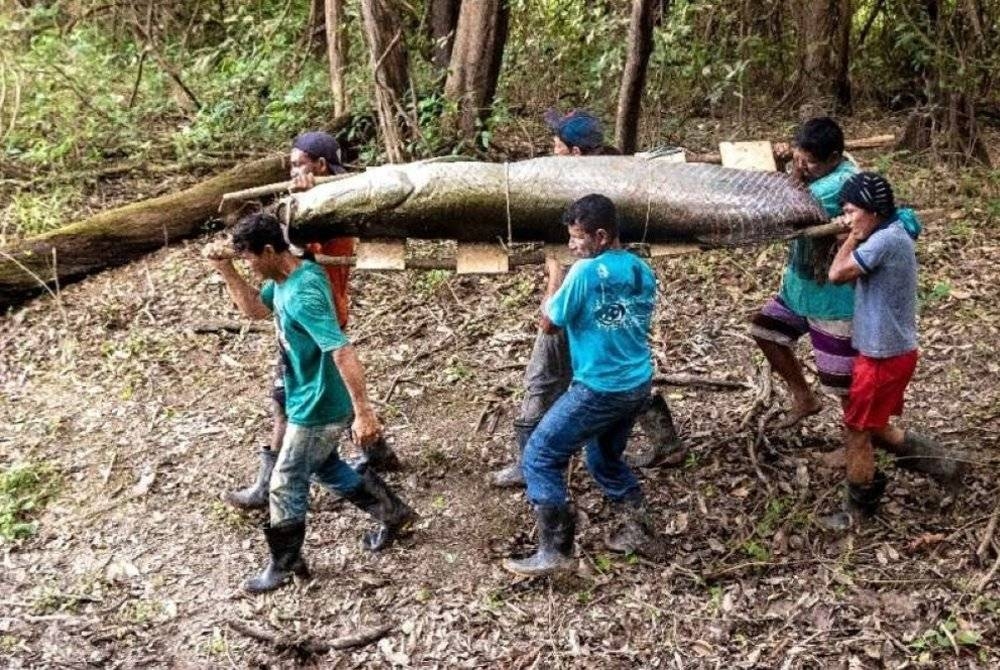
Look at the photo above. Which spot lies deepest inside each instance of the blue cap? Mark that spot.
(577, 128)
(320, 145)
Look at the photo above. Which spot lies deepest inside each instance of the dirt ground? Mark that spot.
(138, 564)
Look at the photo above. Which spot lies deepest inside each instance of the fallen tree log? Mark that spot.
(121, 235)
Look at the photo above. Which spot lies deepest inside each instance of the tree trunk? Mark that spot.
(442, 19)
(121, 235)
(337, 57)
(475, 61)
(640, 46)
(317, 26)
(390, 69)
(820, 43)
(842, 82)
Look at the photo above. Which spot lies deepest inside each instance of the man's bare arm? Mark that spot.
(366, 428)
(556, 274)
(844, 268)
(246, 297)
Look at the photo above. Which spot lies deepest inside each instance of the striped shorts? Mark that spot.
(831, 341)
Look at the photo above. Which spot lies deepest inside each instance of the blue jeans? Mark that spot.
(602, 421)
(308, 452)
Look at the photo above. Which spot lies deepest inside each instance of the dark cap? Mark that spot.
(320, 145)
(577, 128)
(869, 191)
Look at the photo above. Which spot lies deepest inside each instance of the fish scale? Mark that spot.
(468, 201)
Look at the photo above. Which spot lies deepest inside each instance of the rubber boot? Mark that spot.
(255, 496)
(285, 544)
(634, 532)
(379, 456)
(556, 531)
(376, 498)
(920, 453)
(860, 503)
(657, 423)
(512, 476)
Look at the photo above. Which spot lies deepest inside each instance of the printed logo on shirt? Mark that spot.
(620, 304)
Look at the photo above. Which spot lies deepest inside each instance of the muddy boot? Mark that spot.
(379, 456)
(512, 476)
(556, 530)
(665, 446)
(255, 496)
(920, 453)
(285, 544)
(376, 498)
(860, 503)
(635, 532)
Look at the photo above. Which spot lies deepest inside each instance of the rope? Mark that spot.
(649, 207)
(506, 184)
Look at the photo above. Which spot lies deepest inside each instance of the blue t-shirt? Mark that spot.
(885, 307)
(605, 304)
(315, 394)
(800, 291)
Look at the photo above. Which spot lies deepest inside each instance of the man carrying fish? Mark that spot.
(313, 154)
(878, 258)
(548, 373)
(605, 306)
(807, 301)
(324, 385)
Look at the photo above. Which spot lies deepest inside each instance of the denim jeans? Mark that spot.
(546, 378)
(601, 421)
(308, 452)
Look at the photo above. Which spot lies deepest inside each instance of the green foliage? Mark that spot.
(25, 488)
(946, 636)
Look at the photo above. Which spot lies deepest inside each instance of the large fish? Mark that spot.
(659, 201)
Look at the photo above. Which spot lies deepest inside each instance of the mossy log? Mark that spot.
(121, 235)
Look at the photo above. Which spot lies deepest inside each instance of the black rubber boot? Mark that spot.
(376, 498)
(379, 456)
(512, 476)
(285, 544)
(255, 496)
(634, 532)
(860, 503)
(920, 453)
(556, 531)
(665, 446)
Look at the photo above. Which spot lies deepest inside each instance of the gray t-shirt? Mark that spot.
(885, 295)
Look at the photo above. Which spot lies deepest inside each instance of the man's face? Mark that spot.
(862, 221)
(560, 148)
(303, 164)
(586, 245)
(810, 167)
(263, 264)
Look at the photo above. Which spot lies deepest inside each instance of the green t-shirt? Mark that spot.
(800, 292)
(315, 394)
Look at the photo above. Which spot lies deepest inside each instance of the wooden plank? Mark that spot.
(481, 259)
(748, 155)
(381, 255)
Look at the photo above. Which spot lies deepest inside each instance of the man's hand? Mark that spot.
(366, 428)
(302, 181)
(860, 229)
(220, 254)
(218, 250)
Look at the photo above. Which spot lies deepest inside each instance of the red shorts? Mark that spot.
(877, 390)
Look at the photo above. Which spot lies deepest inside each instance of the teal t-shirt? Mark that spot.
(605, 304)
(799, 290)
(315, 394)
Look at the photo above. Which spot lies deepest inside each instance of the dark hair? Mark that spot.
(256, 231)
(593, 212)
(821, 137)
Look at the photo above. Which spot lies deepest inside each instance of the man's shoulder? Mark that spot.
(835, 179)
